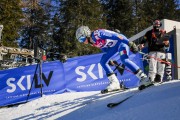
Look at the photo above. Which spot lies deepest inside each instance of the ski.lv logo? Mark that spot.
(24, 83)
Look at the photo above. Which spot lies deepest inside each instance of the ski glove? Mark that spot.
(133, 47)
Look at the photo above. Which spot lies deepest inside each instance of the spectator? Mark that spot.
(157, 41)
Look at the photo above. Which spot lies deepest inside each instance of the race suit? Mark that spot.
(110, 43)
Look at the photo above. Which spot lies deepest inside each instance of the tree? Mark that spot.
(133, 16)
(11, 18)
(138, 16)
(164, 9)
(36, 28)
(72, 14)
(120, 15)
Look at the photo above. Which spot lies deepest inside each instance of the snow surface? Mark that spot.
(161, 102)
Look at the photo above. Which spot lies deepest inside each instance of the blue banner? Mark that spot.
(16, 83)
(78, 74)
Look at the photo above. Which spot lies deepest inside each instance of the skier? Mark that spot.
(110, 43)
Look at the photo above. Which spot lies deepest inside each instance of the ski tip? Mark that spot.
(142, 87)
(110, 105)
(114, 91)
(104, 91)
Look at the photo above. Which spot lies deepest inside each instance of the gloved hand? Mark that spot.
(133, 47)
(141, 46)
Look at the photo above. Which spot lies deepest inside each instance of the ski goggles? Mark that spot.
(82, 39)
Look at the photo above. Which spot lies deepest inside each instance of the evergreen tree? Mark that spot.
(11, 18)
(164, 9)
(133, 16)
(168, 9)
(36, 28)
(72, 14)
(58, 20)
(120, 15)
(138, 17)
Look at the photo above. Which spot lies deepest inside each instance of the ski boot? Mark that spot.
(114, 84)
(144, 80)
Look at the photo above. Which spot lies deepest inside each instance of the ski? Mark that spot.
(111, 105)
(118, 90)
(141, 88)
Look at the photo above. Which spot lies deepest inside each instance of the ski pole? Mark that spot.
(119, 67)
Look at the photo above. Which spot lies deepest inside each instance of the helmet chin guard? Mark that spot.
(82, 33)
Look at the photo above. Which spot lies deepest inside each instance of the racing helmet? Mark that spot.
(82, 33)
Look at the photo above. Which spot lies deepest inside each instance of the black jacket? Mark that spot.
(155, 40)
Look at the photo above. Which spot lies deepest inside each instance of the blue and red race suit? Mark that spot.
(110, 43)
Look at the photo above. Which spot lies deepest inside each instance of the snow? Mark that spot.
(161, 102)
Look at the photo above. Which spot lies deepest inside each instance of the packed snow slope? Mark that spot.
(161, 102)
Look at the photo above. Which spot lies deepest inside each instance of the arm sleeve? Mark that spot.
(144, 39)
(161, 41)
(106, 34)
(104, 49)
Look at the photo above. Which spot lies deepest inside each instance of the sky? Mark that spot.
(160, 102)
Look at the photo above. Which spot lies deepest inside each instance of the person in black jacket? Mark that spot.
(158, 42)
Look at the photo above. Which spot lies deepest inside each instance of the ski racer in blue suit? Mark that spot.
(110, 43)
